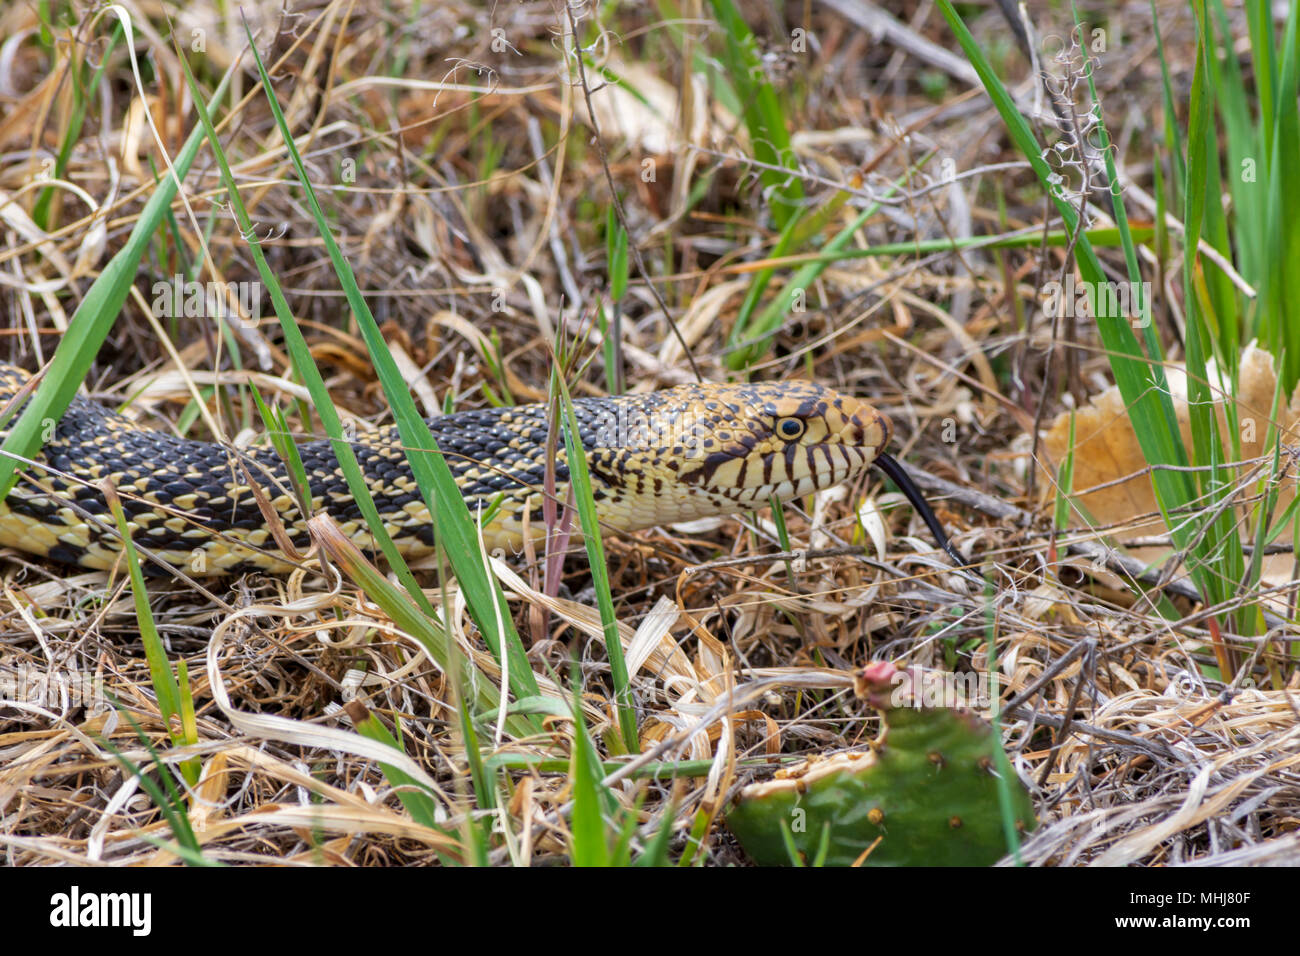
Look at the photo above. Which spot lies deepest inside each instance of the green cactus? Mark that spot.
(928, 793)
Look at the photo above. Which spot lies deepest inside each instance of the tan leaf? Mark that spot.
(1107, 451)
(1106, 448)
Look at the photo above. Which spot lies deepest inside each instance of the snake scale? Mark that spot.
(655, 459)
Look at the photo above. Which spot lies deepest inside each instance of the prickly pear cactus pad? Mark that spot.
(927, 795)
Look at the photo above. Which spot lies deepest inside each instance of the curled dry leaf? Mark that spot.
(1107, 452)
(643, 110)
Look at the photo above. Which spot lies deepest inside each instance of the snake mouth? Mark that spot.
(841, 438)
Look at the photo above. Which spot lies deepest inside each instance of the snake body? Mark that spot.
(655, 459)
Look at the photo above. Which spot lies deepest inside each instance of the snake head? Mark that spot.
(752, 443)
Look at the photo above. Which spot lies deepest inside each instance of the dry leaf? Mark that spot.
(1106, 449)
(648, 117)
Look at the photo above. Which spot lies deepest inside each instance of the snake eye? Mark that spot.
(790, 428)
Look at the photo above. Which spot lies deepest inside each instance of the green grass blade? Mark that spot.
(160, 671)
(769, 131)
(746, 352)
(170, 803)
(77, 116)
(580, 480)
(455, 529)
(1141, 379)
(94, 317)
(406, 615)
(590, 846)
(415, 798)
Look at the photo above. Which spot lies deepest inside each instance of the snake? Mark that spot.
(656, 458)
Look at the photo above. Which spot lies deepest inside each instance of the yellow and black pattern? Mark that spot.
(657, 458)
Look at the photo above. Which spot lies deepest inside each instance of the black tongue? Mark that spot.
(905, 484)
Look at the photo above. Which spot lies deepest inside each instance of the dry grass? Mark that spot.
(469, 215)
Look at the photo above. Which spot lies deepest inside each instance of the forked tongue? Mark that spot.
(905, 484)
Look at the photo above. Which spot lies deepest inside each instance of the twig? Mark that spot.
(1137, 570)
(1056, 667)
(1088, 670)
(613, 195)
